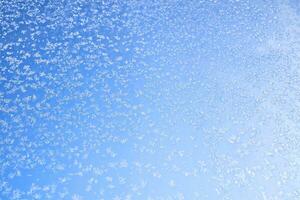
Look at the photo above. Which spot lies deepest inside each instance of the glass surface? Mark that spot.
(149, 100)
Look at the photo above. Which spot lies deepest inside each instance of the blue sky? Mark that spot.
(149, 100)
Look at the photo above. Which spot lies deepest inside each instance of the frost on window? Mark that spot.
(149, 100)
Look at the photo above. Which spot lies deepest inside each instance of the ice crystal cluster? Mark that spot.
(149, 100)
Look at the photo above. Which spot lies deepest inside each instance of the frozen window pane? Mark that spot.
(150, 100)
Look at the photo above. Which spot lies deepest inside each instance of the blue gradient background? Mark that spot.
(149, 100)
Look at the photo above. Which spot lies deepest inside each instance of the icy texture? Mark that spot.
(149, 100)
